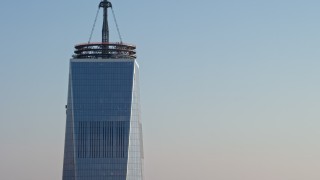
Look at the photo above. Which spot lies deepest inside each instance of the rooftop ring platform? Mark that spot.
(104, 50)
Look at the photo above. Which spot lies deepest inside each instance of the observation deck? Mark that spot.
(104, 50)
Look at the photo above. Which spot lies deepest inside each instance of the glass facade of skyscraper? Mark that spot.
(103, 129)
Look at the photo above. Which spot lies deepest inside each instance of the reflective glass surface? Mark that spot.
(103, 129)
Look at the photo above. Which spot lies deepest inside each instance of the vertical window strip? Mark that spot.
(118, 139)
(91, 140)
(85, 139)
(81, 140)
(121, 140)
(94, 139)
(98, 139)
(112, 137)
(103, 139)
(78, 141)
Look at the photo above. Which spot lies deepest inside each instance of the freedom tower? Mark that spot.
(103, 139)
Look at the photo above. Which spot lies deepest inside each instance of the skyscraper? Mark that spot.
(103, 139)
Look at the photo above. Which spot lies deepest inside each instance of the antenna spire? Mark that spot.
(105, 4)
(105, 49)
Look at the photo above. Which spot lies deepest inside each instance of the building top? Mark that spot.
(105, 49)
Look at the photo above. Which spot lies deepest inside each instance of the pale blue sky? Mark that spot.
(229, 88)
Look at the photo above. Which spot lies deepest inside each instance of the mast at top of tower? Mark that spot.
(105, 4)
(105, 49)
